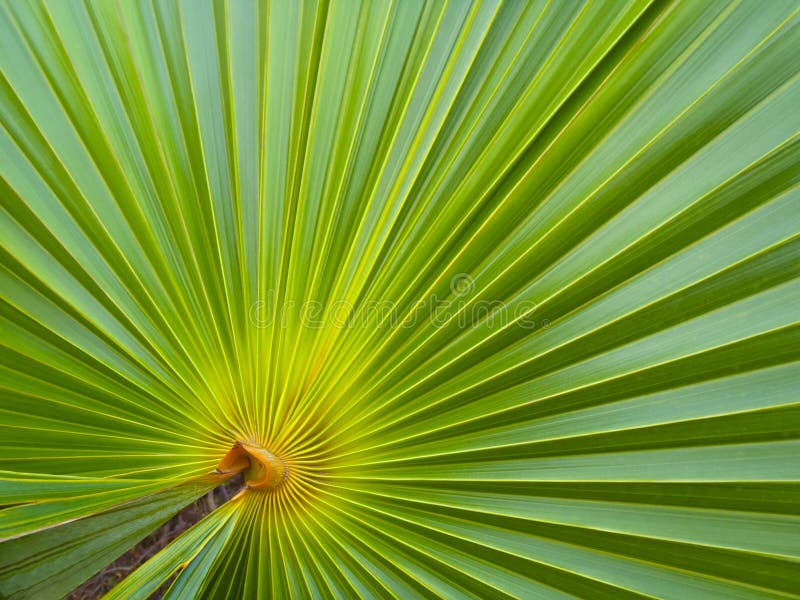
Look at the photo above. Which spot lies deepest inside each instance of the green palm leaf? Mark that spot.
(493, 299)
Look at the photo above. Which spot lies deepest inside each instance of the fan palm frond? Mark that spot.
(484, 299)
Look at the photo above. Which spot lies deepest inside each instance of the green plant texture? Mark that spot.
(481, 299)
